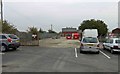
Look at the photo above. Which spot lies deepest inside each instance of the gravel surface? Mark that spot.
(59, 43)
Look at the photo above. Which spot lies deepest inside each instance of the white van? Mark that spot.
(90, 33)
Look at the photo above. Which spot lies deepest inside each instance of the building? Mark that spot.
(71, 33)
(116, 31)
(68, 31)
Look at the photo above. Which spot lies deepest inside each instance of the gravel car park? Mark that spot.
(8, 41)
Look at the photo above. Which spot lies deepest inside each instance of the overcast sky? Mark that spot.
(59, 13)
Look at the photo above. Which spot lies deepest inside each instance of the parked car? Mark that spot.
(8, 41)
(89, 44)
(75, 35)
(112, 44)
(69, 36)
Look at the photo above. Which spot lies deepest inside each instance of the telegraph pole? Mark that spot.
(119, 22)
(51, 27)
(1, 12)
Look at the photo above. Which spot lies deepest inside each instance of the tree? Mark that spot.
(94, 24)
(41, 31)
(7, 28)
(32, 30)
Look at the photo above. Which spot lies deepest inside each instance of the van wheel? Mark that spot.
(3, 48)
(81, 51)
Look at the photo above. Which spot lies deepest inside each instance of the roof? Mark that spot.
(117, 30)
(69, 30)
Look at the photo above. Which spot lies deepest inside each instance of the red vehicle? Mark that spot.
(75, 35)
(69, 36)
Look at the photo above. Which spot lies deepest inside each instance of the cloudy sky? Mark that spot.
(59, 13)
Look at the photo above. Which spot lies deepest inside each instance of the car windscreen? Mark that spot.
(117, 41)
(90, 40)
(13, 36)
(68, 34)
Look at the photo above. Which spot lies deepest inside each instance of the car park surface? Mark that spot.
(40, 59)
(58, 57)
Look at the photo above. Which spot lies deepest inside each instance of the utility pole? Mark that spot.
(1, 16)
(51, 27)
(1, 11)
(119, 14)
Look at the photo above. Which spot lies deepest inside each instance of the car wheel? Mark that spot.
(104, 47)
(3, 48)
(14, 48)
(98, 52)
(112, 51)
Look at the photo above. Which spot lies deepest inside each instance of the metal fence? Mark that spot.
(46, 35)
(26, 38)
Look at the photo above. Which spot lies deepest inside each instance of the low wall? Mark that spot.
(30, 43)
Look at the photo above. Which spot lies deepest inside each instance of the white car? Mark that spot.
(89, 44)
(112, 44)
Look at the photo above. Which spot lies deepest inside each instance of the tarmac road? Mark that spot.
(45, 59)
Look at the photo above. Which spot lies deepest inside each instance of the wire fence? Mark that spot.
(27, 39)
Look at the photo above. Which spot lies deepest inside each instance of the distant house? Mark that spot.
(116, 31)
(66, 31)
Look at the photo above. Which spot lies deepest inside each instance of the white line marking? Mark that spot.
(2, 53)
(105, 55)
(76, 53)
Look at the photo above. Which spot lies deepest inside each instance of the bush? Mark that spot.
(102, 39)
